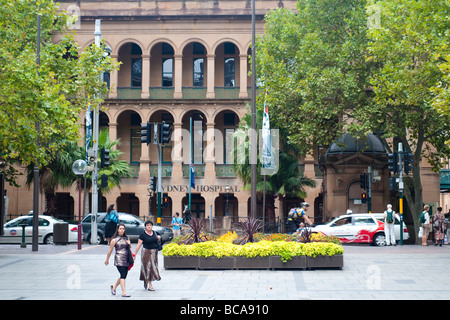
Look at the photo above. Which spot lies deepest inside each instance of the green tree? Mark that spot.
(52, 94)
(327, 73)
(409, 48)
(313, 64)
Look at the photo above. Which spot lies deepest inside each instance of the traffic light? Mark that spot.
(104, 158)
(145, 133)
(408, 161)
(104, 181)
(165, 201)
(392, 162)
(153, 183)
(363, 197)
(392, 184)
(363, 181)
(164, 133)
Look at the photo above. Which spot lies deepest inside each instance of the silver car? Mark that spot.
(134, 227)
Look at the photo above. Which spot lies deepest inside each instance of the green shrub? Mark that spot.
(285, 249)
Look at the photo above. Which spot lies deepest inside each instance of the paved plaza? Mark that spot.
(63, 272)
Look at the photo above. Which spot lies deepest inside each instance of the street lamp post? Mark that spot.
(227, 190)
(79, 167)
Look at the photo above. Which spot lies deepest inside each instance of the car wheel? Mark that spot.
(379, 240)
(100, 239)
(48, 239)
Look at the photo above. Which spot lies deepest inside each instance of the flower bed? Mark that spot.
(254, 255)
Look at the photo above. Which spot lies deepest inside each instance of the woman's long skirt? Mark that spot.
(149, 266)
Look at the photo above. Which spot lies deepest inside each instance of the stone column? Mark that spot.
(145, 93)
(178, 92)
(114, 81)
(210, 94)
(243, 94)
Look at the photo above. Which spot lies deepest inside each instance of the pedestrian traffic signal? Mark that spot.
(164, 133)
(145, 133)
(104, 158)
(153, 183)
(392, 184)
(364, 197)
(363, 181)
(165, 201)
(392, 162)
(104, 181)
(408, 161)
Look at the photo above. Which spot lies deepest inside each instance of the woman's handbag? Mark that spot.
(159, 245)
(130, 258)
(158, 242)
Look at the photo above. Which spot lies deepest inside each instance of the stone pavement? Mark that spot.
(64, 273)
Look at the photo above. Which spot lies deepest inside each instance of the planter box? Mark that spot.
(298, 262)
(272, 262)
(216, 263)
(252, 263)
(336, 261)
(174, 262)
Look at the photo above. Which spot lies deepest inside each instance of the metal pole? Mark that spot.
(79, 213)
(95, 120)
(253, 140)
(35, 232)
(264, 205)
(369, 189)
(158, 219)
(210, 219)
(190, 161)
(400, 188)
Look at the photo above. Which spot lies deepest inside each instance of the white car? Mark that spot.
(12, 230)
(360, 228)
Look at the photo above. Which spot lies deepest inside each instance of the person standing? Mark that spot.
(111, 218)
(426, 226)
(176, 222)
(122, 244)
(149, 256)
(439, 227)
(389, 223)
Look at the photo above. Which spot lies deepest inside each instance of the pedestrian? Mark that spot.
(426, 226)
(149, 255)
(111, 218)
(439, 227)
(389, 223)
(176, 222)
(122, 244)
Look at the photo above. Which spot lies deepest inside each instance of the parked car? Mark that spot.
(134, 227)
(12, 230)
(360, 228)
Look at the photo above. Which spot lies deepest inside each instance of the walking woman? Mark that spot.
(439, 227)
(149, 255)
(122, 244)
(111, 219)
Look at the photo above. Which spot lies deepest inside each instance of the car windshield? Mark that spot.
(340, 221)
(129, 219)
(18, 222)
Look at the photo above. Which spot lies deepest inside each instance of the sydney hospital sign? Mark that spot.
(237, 145)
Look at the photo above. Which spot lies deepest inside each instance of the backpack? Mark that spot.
(422, 217)
(390, 216)
(112, 216)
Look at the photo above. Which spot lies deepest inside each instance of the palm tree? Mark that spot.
(59, 171)
(288, 181)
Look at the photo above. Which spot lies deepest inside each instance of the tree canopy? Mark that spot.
(51, 94)
(359, 66)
